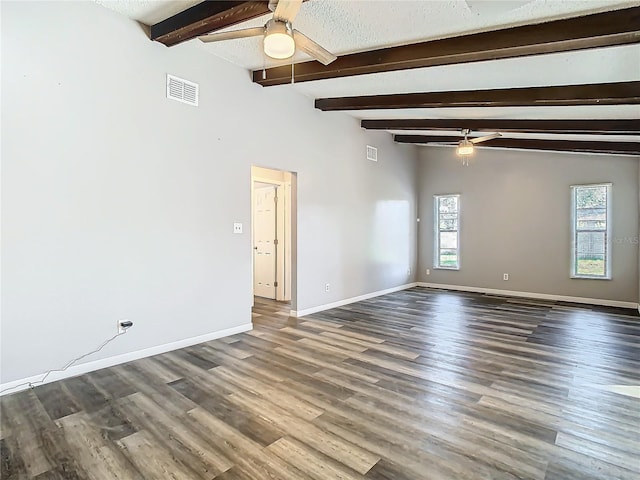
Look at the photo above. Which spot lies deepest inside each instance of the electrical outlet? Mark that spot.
(408, 272)
(121, 329)
(505, 276)
(237, 228)
(326, 287)
(428, 272)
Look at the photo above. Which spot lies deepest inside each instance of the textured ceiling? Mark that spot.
(350, 26)
(582, 112)
(148, 11)
(600, 65)
(540, 136)
(346, 26)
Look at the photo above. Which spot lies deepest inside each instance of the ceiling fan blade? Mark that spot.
(286, 10)
(312, 49)
(247, 32)
(485, 138)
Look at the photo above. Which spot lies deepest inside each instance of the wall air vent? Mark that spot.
(182, 90)
(372, 153)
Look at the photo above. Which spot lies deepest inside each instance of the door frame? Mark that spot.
(283, 233)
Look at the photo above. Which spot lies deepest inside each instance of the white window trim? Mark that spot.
(436, 231)
(608, 243)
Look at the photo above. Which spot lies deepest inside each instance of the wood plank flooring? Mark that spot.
(418, 384)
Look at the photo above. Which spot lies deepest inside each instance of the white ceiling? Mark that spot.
(346, 26)
(581, 112)
(539, 136)
(148, 12)
(585, 66)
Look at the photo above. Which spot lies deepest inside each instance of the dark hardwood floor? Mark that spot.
(419, 384)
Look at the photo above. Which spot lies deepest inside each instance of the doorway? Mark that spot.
(272, 203)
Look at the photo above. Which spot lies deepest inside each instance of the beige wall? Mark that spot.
(118, 203)
(515, 219)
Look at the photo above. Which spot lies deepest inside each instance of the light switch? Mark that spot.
(237, 228)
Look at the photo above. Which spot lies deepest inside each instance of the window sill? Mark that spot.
(446, 268)
(588, 277)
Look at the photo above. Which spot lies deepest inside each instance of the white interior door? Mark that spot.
(264, 241)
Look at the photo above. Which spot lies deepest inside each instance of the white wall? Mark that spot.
(515, 219)
(118, 203)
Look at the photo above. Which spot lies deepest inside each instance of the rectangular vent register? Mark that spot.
(372, 153)
(182, 90)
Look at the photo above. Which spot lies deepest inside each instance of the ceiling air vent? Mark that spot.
(182, 90)
(372, 153)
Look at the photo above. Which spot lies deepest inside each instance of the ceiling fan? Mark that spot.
(466, 146)
(280, 39)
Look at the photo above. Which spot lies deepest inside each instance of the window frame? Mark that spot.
(607, 232)
(436, 229)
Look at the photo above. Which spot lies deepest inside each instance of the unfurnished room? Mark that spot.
(320, 239)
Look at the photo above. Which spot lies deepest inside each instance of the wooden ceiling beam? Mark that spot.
(601, 127)
(617, 93)
(618, 27)
(206, 17)
(619, 148)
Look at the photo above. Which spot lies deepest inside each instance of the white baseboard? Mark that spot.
(346, 301)
(23, 383)
(540, 296)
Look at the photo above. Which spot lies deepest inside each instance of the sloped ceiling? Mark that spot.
(345, 27)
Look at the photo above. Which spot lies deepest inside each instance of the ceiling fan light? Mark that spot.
(465, 147)
(278, 40)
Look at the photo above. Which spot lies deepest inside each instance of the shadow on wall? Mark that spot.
(392, 235)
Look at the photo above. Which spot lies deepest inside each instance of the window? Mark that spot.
(447, 226)
(591, 225)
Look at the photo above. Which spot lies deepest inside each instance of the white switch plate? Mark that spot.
(237, 228)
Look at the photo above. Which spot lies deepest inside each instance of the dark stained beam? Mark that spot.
(206, 17)
(618, 93)
(618, 27)
(620, 148)
(602, 127)
(424, 139)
